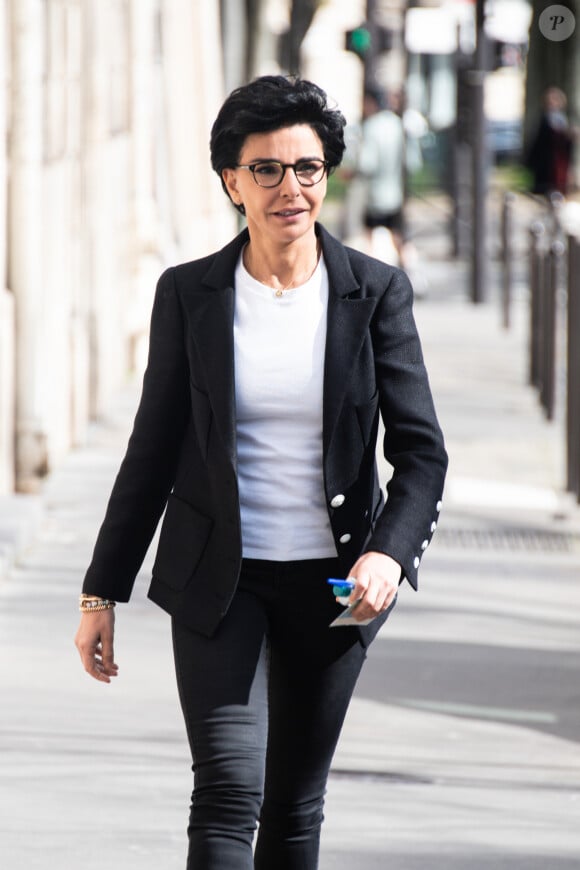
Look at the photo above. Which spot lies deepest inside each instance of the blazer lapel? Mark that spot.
(348, 322)
(211, 315)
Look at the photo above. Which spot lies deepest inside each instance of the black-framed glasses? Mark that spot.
(270, 173)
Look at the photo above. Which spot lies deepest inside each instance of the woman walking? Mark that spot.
(270, 363)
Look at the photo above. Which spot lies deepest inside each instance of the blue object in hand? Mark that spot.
(340, 588)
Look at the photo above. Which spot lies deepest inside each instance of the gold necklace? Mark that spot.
(297, 282)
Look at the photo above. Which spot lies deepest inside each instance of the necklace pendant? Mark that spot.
(279, 293)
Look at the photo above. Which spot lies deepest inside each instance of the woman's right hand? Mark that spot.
(94, 641)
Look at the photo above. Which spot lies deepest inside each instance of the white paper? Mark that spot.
(346, 617)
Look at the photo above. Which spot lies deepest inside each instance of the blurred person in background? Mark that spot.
(550, 154)
(380, 162)
(270, 363)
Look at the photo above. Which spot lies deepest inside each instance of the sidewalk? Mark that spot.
(20, 519)
(461, 750)
(465, 734)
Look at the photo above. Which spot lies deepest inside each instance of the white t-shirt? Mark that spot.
(279, 345)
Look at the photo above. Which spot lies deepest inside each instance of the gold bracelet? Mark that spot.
(94, 604)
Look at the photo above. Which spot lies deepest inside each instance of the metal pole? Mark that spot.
(543, 281)
(370, 59)
(461, 162)
(537, 233)
(573, 370)
(552, 267)
(507, 272)
(479, 157)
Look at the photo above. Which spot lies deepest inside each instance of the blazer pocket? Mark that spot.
(182, 541)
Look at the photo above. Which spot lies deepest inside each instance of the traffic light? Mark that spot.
(364, 40)
(358, 40)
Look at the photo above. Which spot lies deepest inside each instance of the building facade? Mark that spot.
(105, 108)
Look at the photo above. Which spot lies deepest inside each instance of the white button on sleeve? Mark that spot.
(344, 539)
(416, 562)
(433, 526)
(337, 501)
(425, 544)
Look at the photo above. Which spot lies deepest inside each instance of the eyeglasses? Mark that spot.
(270, 173)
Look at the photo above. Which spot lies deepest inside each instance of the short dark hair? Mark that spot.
(271, 103)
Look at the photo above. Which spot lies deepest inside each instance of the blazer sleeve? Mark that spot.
(413, 441)
(147, 473)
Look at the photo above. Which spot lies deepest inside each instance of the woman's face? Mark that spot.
(554, 100)
(286, 213)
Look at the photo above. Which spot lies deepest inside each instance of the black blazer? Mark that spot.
(182, 452)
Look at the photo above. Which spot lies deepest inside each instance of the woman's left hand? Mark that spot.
(377, 578)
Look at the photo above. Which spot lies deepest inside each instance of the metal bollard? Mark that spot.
(536, 262)
(573, 370)
(507, 257)
(548, 327)
(555, 204)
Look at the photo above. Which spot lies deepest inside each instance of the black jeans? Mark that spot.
(264, 701)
